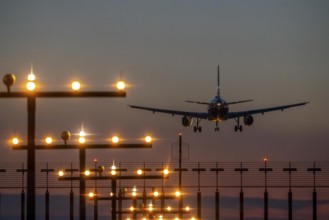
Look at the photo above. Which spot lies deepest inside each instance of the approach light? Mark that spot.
(139, 172)
(9, 80)
(87, 173)
(148, 139)
(113, 170)
(155, 193)
(187, 208)
(82, 134)
(150, 207)
(30, 86)
(134, 192)
(61, 173)
(165, 171)
(82, 140)
(169, 208)
(75, 85)
(91, 195)
(48, 140)
(15, 141)
(131, 208)
(121, 85)
(115, 139)
(31, 76)
(177, 193)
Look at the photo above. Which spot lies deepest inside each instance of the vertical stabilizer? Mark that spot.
(218, 83)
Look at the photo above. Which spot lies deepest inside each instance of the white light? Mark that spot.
(75, 85)
(82, 140)
(61, 173)
(148, 139)
(139, 172)
(15, 141)
(177, 193)
(115, 139)
(91, 195)
(49, 140)
(155, 193)
(121, 85)
(165, 171)
(87, 172)
(30, 86)
(31, 76)
(82, 134)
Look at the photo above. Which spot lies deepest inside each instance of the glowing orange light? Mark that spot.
(177, 193)
(91, 195)
(139, 172)
(75, 85)
(165, 171)
(168, 208)
(155, 193)
(30, 86)
(61, 173)
(82, 140)
(87, 172)
(115, 139)
(121, 85)
(148, 139)
(48, 140)
(15, 141)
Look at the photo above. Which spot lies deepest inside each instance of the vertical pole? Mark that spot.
(71, 205)
(265, 205)
(217, 204)
(290, 205)
(47, 204)
(96, 205)
(135, 208)
(114, 199)
(31, 104)
(22, 205)
(199, 204)
(241, 205)
(314, 205)
(82, 159)
(180, 205)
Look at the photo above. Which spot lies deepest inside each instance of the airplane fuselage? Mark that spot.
(217, 110)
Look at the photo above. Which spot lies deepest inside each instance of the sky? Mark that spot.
(275, 52)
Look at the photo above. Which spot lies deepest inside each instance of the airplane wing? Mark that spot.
(202, 115)
(263, 110)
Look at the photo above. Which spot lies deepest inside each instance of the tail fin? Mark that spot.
(218, 83)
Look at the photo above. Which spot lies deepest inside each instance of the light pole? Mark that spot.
(241, 170)
(265, 170)
(31, 95)
(290, 170)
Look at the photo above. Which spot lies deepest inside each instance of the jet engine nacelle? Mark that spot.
(187, 121)
(248, 120)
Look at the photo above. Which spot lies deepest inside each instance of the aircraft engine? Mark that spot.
(187, 121)
(248, 120)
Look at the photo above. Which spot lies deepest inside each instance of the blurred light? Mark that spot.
(87, 172)
(131, 208)
(48, 140)
(91, 195)
(15, 141)
(31, 76)
(168, 208)
(265, 159)
(150, 207)
(113, 172)
(113, 169)
(121, 85)
(139, 172)
(192, 218)
(155, 193)
(134, 191)
(30, 86)
(165, 171)
(111, 194)
(61, 173)
(148, 139)
(82, 134)
(176, 218)
(177, 193)
(115, 139)
(82, 140)
(187, 208)
(75, 85)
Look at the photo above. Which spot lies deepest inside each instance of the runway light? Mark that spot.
(131, 208)
(82, 134)
(169, 208)
(61, 173)
(139, 172)
(148, 139)
(134, 192)
(113, 170)
(87, 172)
(177, 193)
(82, 140)
(48, 140)
(15, 141)
(150, 207)
(91, 195)
(30, 86)
(75, 85)
(31, 76)
(121, 85)
(187, 208)
(115, 139)
(165, 171)
(155, 193)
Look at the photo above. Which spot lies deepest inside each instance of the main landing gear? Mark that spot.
(238, 127)
(197, 127)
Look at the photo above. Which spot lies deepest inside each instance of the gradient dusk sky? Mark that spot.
(275, 52)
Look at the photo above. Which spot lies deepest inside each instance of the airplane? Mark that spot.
(218, 111)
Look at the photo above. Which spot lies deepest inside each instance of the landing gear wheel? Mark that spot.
(238, 128)
(197, 128)
(217, 129)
